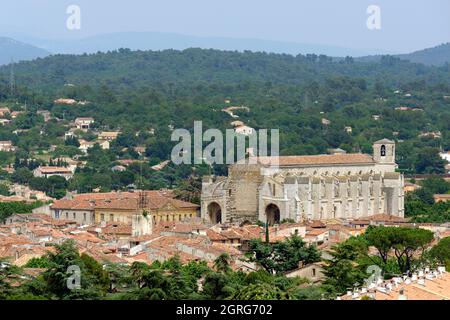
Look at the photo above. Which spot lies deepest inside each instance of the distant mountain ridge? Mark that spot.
(11, 49)
(162, 41)
(29, 48)
(432, 56)
(437, 56)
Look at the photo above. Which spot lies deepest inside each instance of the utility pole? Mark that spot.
(12, 80)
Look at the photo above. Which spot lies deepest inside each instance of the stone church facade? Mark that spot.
(302, 188)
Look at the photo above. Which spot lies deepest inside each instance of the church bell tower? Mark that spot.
(384, 151)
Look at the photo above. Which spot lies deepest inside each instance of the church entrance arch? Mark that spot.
(215, 213)
(272, 214)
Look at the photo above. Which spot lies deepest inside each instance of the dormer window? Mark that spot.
(383, 151)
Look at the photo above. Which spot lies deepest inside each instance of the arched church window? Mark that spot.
(383, 150)
(336, 189)
(323, 191)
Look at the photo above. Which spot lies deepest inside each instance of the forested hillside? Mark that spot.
(127, 69)
(138, 91)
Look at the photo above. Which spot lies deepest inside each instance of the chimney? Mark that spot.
(402, 295)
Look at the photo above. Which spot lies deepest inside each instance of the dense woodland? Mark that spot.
(143, 93)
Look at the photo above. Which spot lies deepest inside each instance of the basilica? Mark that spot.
(305, 188)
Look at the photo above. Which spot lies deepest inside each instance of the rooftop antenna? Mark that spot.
(267, 231)
(12, 79)
(142, 194)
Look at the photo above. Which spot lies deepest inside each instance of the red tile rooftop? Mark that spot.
(215, 236)
(144, 238)
(317, 159)
(430, 289)
(156, 199)
(49, 169)
(316, 224)
(386, 217)
(316, 232)
(86, 237)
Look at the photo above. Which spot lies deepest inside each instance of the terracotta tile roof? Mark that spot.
(250, 232)
(156, 199)
(317, 224)
(109, 134)
(290, 225)
(315, 232)
(73, 204)
(386, 217)
(123, 204)
(145, 238)
(49, 169)
(349, 158)
(86, 237)
(42, 232)
(360, 222)
(215, 236)
(442, 196)
(33, 272)
(436, 289)
(386, 141)
(231, 234)
(141, 257)
(244, 233)
(97, 253)
(117, 229)
(444, 234)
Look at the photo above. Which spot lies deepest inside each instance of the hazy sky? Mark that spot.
(406, 25)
